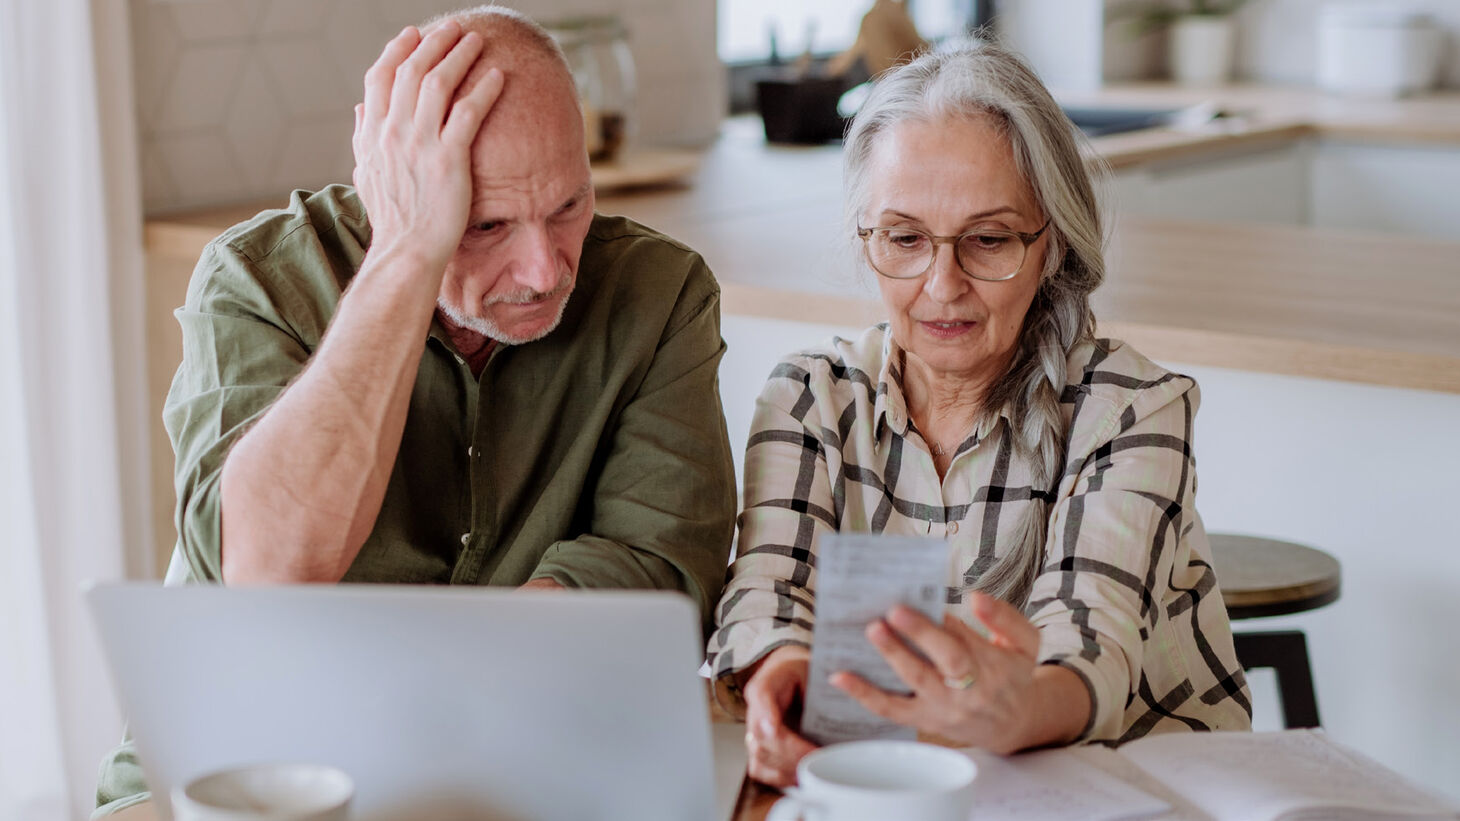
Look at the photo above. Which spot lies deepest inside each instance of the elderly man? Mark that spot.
(454, 372)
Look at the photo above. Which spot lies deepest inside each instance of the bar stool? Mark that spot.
(1267, 577)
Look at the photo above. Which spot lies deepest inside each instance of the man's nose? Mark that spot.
(945, 281)
(537, 264)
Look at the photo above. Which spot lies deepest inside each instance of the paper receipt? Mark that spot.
(859, 577)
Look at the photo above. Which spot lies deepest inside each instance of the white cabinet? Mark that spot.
(1266, 186)
(1394, 188)
(1402, 189)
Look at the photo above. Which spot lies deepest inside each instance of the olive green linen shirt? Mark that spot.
(596, 456)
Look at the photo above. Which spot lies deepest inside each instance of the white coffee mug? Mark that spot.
(880, 781)
(266, 792)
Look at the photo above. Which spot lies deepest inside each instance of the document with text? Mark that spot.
(859, 577)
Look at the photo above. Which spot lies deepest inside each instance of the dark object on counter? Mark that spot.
(1099, 121)
(801, 110)
(981, 19)
(612, 126)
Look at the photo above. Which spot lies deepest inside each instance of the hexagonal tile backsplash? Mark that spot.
(242, 100)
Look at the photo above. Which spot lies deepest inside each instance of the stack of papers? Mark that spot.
(1292, 775)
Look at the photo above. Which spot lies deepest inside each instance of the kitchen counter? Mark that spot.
(1371, 308)
(1282, 300)
(1270, 114)
(1361, 307)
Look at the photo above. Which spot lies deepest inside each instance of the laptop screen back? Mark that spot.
(440, 703)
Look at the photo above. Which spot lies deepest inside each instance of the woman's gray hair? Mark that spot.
(984, 81)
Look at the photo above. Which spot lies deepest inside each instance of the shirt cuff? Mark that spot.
(726, 675)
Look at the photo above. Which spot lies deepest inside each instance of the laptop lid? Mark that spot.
(440, 702)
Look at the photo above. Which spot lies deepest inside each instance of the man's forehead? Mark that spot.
(530, 147)
(537, 110)
(498, 196)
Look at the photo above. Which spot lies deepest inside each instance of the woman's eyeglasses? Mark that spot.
(987, 254)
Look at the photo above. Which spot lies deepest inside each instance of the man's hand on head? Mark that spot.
(413, 137)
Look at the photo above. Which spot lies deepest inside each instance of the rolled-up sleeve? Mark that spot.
(238, 356)
(1117, 533)
(789, 505)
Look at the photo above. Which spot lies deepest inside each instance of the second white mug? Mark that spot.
(880, 781)
(266, 792)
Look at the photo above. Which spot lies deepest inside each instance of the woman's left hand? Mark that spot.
(976, 691)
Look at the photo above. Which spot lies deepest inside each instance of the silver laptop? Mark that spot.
(442, 703)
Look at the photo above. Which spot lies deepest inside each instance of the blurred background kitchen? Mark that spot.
(244, 98)
(1287, 230)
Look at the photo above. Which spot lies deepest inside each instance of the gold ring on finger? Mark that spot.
(962, 683)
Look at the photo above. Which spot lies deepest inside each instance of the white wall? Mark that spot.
(1091, 45)
(1277, 40)
(1404, 189)
(1365, 473)
(245, 99)
(1067, 56)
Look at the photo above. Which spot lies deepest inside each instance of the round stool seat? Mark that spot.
(1267, 577)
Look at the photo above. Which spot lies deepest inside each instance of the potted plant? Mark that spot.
(1202, 35)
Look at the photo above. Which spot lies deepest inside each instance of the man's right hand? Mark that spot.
(302, 489)
(413, 137)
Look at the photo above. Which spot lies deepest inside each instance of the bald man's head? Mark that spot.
(537, 75)
(507, 24)
(532, 189)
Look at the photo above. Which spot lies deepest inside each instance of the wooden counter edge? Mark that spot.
(1265, 354)
(176, 239)
(1222, 349)
(1166, 145)
(1291, 357)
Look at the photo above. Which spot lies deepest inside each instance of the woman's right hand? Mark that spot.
(778, 681)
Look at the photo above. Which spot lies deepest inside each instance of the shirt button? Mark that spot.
(460, 360)
(465, 539)
(952, 528)
(471, 452)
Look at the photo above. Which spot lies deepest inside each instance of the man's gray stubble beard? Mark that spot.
(492, 330)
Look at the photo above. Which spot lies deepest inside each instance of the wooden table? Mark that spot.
(755, 799)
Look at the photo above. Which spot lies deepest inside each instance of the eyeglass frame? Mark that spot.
(952, 239)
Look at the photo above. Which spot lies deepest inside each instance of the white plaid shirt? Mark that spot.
(1126, 598)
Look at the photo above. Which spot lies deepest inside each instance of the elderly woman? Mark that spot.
(1058, 466)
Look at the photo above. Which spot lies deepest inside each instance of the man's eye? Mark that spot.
(569, 207)
(488, 226)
